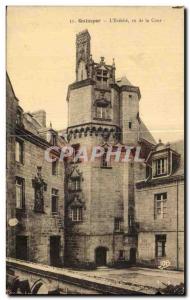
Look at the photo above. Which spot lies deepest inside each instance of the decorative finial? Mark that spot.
(91, 60)
(113, 64)
(50, 124)
(102, 59)
(159, 141)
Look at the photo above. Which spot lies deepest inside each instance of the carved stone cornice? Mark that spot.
(96, 129)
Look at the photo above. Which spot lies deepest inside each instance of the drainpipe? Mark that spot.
(177, 226)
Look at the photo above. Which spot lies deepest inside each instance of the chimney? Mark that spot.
(40, 116)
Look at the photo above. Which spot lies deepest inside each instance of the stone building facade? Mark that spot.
(11, 108)
(107, 212)
(104, 112)
(159, 195)
(35, 187)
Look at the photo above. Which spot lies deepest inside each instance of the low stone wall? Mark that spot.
(61, 281)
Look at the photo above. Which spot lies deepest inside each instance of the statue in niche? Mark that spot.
(39, 186)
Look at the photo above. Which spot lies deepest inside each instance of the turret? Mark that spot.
(129, 111)
(82, 55)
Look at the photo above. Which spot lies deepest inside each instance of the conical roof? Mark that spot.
(123, 81)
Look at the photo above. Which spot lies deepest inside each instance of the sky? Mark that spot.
(148, 49)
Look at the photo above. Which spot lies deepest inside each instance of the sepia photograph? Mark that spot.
(95, 150)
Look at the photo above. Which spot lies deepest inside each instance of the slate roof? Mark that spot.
(145, 134)
(123, 81)
(178, 146)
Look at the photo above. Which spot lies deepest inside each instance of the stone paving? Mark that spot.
(142, 277)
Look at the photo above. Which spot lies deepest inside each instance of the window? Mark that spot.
(102, 77)
(130, 125)
(160, 245)
(160, 167)
(117, 225)
(101, 112)
(121, 254)
(19, 151)
(20, 193)
(130, 96)
(18, 117)
(54, 201)
(76, 213)
(55, 168)
(74, 184)
(160, 205)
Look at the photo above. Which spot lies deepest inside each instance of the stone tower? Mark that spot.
(99, 194)
(82, 55)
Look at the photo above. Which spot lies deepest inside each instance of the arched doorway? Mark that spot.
(101, 256)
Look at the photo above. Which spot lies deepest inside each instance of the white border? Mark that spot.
(3, 5)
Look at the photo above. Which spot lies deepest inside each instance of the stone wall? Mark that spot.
(172, 225)
(11, 108)
(38, 227)
(105, 193)
(80, 105)
(128, 113)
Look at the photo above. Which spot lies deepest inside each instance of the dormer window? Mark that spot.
(102, 77)
(74, 184)
(163, 161)
(160, 167)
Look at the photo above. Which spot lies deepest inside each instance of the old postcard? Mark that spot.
(95, 150)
